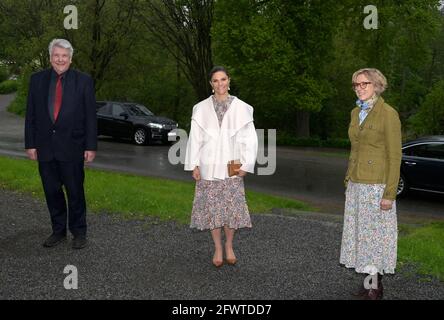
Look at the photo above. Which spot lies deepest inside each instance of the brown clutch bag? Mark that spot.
(232, 166)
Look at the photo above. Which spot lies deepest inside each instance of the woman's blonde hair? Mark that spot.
(375, 76)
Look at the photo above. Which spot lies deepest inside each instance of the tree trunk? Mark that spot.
(184, 29)
(302, 124)
(178, 91)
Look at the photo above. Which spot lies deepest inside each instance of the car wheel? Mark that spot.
(402, 187)
(140, 137)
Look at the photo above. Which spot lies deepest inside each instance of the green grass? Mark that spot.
(424, 247)
(129, 195)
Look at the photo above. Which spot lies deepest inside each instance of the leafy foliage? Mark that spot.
(277, 51)
(291, 60)
(8, 86)
(4, 73)
(430, 118)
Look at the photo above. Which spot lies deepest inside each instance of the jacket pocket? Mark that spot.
(78, 134)
(371, 169)
(373, 135)
(78, 137)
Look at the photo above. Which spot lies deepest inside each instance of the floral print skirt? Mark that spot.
(370, 235)
(219, 203)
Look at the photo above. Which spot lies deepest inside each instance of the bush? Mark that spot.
(336, 143)
(18, 106)
(8, 86)
(4, 74)
(286, 139)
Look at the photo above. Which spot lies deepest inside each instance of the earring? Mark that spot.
(229, 88)
(212, 90)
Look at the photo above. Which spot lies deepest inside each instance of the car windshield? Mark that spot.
(138, 110)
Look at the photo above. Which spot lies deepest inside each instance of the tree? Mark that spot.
(278, 52)
(401, 48)
(23, 29)
(183, 28)
(430, 118)
(106, 29)
(110, 45)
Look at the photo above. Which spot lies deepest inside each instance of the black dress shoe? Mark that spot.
(79, 242)
(54, 240)
(361, 292)
(376, 294)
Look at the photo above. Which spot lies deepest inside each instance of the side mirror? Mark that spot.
(125, 115)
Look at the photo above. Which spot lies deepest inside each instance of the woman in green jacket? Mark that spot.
(369, 239)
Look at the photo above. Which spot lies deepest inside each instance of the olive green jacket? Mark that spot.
(376, 148)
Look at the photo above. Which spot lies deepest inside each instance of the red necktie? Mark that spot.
(58, 97)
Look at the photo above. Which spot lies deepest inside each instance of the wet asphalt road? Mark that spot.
(306, 174)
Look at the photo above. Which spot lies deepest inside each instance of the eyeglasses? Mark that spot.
(361, 85)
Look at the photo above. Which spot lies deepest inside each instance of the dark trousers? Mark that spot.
(56, 174)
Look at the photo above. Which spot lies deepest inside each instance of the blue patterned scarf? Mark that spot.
(365, 106)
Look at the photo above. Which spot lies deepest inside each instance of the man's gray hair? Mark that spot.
(61, 43)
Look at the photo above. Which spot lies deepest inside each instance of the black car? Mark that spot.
(422, 166)
(133, 121)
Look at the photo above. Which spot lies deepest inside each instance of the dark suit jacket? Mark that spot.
(76, 127)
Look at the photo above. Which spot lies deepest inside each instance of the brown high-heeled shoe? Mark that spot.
(217, 263)
(230, 261)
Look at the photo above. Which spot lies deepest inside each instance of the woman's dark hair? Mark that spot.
(217, 69)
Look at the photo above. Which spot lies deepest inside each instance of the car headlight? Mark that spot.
(155, 125)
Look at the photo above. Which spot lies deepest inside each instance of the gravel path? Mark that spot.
(281, 257)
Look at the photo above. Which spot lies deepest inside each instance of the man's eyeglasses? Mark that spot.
(361, 85)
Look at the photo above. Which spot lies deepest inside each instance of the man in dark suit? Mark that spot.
(61, 134)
